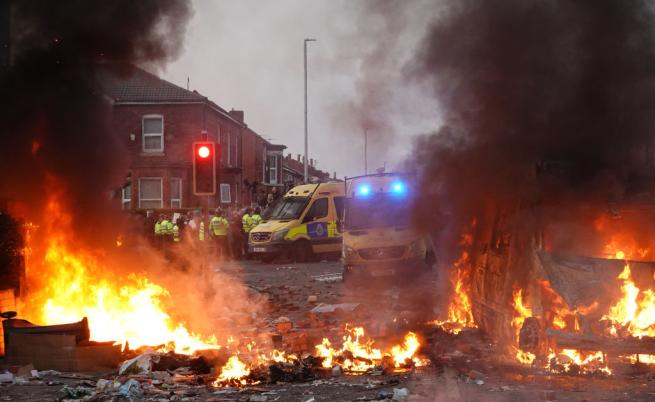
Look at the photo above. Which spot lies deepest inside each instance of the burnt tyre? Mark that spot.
(529, 335)
(301, 251)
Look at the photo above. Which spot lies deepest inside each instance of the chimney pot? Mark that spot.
(237, 115)
(298, 157)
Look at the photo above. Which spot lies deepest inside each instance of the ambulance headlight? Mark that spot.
(279, 235)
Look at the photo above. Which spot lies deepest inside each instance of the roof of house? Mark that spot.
(129, 84)
(298, 167)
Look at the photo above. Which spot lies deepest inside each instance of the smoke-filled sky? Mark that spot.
(248, 55)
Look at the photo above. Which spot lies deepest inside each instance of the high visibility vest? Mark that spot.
(256, 220)
(246, 222)
(165, 227)
(201, 231)
(158, 228)
(176, 233)
(218, 226)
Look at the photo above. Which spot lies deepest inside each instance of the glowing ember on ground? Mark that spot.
(234, 371)
(358, 354)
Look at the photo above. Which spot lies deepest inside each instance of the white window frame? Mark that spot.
(125, 200)
(229, 148)
(178, 200)
(161, 191)
(272, 167)
(228, 199)
(144, 135)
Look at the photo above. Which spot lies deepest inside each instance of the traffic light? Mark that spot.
(204, 168)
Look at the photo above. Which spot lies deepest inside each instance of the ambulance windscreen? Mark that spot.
(377, 211)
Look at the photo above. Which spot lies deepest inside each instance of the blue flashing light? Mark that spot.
(398, 187)
(364, 190)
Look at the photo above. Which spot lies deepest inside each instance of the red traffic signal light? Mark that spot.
(203, 151)
(204, 168)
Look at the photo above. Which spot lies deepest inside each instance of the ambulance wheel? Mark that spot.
(301, 251)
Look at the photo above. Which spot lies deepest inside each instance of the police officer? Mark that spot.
(246, 221)
(256, 217)
(218, 227)
(159, 235)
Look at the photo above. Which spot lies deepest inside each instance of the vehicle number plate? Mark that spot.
(259, 249)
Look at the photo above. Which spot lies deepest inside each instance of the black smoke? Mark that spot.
(527, 87)
(54, 123)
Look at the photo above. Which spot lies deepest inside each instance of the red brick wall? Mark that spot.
(183, 125)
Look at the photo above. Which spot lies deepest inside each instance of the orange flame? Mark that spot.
(123, 310)
(635, 311)
(359, 354)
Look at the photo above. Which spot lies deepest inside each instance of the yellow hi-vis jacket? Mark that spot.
(246, 221)
(218, 226)
(256, 220)
(166, 227)
(176, 233)
(201, 231)
(158, 228)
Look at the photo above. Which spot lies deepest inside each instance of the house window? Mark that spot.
(272, 169)
(176, 192)
(229, 148)
(150, 194)
(225, 193)
(126, 196)
(153, 133)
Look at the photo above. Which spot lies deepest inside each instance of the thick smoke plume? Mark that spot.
(54, 121)
(525, 86)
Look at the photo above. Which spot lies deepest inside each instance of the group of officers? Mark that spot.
(225, 232)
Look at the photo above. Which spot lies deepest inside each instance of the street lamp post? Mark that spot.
(306, 160)
(366, 151)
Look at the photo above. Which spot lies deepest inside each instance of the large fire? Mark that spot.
(122, 309)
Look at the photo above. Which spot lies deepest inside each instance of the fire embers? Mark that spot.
(356, 354)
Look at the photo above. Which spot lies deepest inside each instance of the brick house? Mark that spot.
(293, 172)
(262, 166)
(158, 122)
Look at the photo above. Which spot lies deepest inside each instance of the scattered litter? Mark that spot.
(258, 398)
(312, 299)
(140, 364)
(333, 277)
(385, 394)
(332, 308)
(6, 377)
(130, 388)
(76, 392)
(399, 394)
(51, 373)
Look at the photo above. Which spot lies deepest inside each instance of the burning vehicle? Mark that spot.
(566, 283)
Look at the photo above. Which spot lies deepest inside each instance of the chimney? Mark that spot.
(298, 157)
(335, 175)
(311, 162)
(288, 156)
(237, 115)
